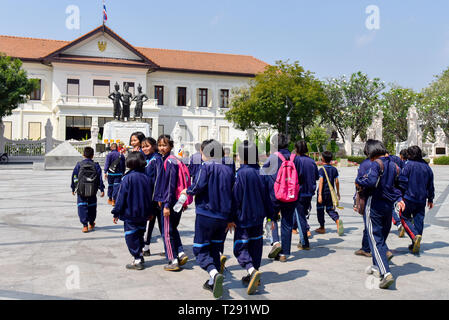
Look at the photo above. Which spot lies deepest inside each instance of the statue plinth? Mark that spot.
(121, 131)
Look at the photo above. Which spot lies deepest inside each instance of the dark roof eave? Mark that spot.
(221, 73)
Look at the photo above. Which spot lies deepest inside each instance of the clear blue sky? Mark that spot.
(328, 37)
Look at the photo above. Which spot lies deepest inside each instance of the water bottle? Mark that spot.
(268, 232)
(178, 206)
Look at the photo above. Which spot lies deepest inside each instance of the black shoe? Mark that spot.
(136, 266)
(146, 253)
(246, 279)
(208, 287)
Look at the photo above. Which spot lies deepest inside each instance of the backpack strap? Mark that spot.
(292, 157)
(170, 157)
(280, 156)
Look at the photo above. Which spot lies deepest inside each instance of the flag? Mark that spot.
(105, 14)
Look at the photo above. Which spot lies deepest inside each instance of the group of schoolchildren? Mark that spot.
(395, 191)
(145, 187)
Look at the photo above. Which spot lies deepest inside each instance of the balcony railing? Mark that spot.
(65, 99)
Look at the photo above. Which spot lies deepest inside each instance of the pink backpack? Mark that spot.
(286, 186)
(183, 179)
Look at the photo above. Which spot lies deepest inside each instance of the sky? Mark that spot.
(408, 46)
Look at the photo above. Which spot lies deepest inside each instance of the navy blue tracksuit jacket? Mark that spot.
(110, 158)
(251, 198)
(416, 182)
(379, 208)
(166, 182)
(212, 189)
(134, 198)
(308, 175)
(195, 164)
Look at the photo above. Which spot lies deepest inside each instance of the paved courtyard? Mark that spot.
(44, 255)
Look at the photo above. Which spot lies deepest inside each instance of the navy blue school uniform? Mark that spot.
(327, 204)
(195, 164)
(133, 207)
(230, 163)
(154, 163)
(416, 182)
(379, 206)
(251, 207)
(166, 194)
(212, 189)
(363, 169)
(270, 170)
(87, 206)
(308, 175)
(114, 178)
(397, 160)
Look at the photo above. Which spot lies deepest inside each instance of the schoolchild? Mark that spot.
(279, 250)
(135, 141)
(153, 163)
(86, 181)
(212, 189)
(363, 169)
(133, 207)
(416, 182)
(165, 194)
(195, 162)
(324, 197)
(308, 175)
(381, 184)
(251, 206)
(227, 160)
(114, 168)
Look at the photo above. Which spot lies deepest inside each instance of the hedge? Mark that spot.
(356, 159)
(441, 160)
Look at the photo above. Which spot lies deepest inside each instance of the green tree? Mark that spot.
(15, 87)
(352, 103)
(319, 137)
(395, 104)
(264, 101)
(434, 110)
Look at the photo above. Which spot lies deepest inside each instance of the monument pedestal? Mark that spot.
(121, 131)
(63, 157)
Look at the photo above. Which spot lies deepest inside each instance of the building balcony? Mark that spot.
(96, 103)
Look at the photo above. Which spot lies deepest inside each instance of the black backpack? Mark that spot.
(88, 179)
(113, 168)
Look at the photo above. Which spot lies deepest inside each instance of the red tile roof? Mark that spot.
(170, 60)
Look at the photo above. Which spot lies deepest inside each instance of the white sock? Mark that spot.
(212, 274)
(386, 274)
(276, 242)
(251, 270)
(175, 261)
(146, 248)
(180, 254)
(136, 261)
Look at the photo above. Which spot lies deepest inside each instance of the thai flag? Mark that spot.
(105, 14)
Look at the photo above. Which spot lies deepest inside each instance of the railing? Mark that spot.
(25, 148)
(80, 145)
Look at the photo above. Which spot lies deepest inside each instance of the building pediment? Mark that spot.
(100, 46)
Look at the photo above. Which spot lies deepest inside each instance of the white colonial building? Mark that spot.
(191, 88)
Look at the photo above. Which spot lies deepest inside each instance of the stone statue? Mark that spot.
(140, 99)
(126, 99)
(116, 98)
